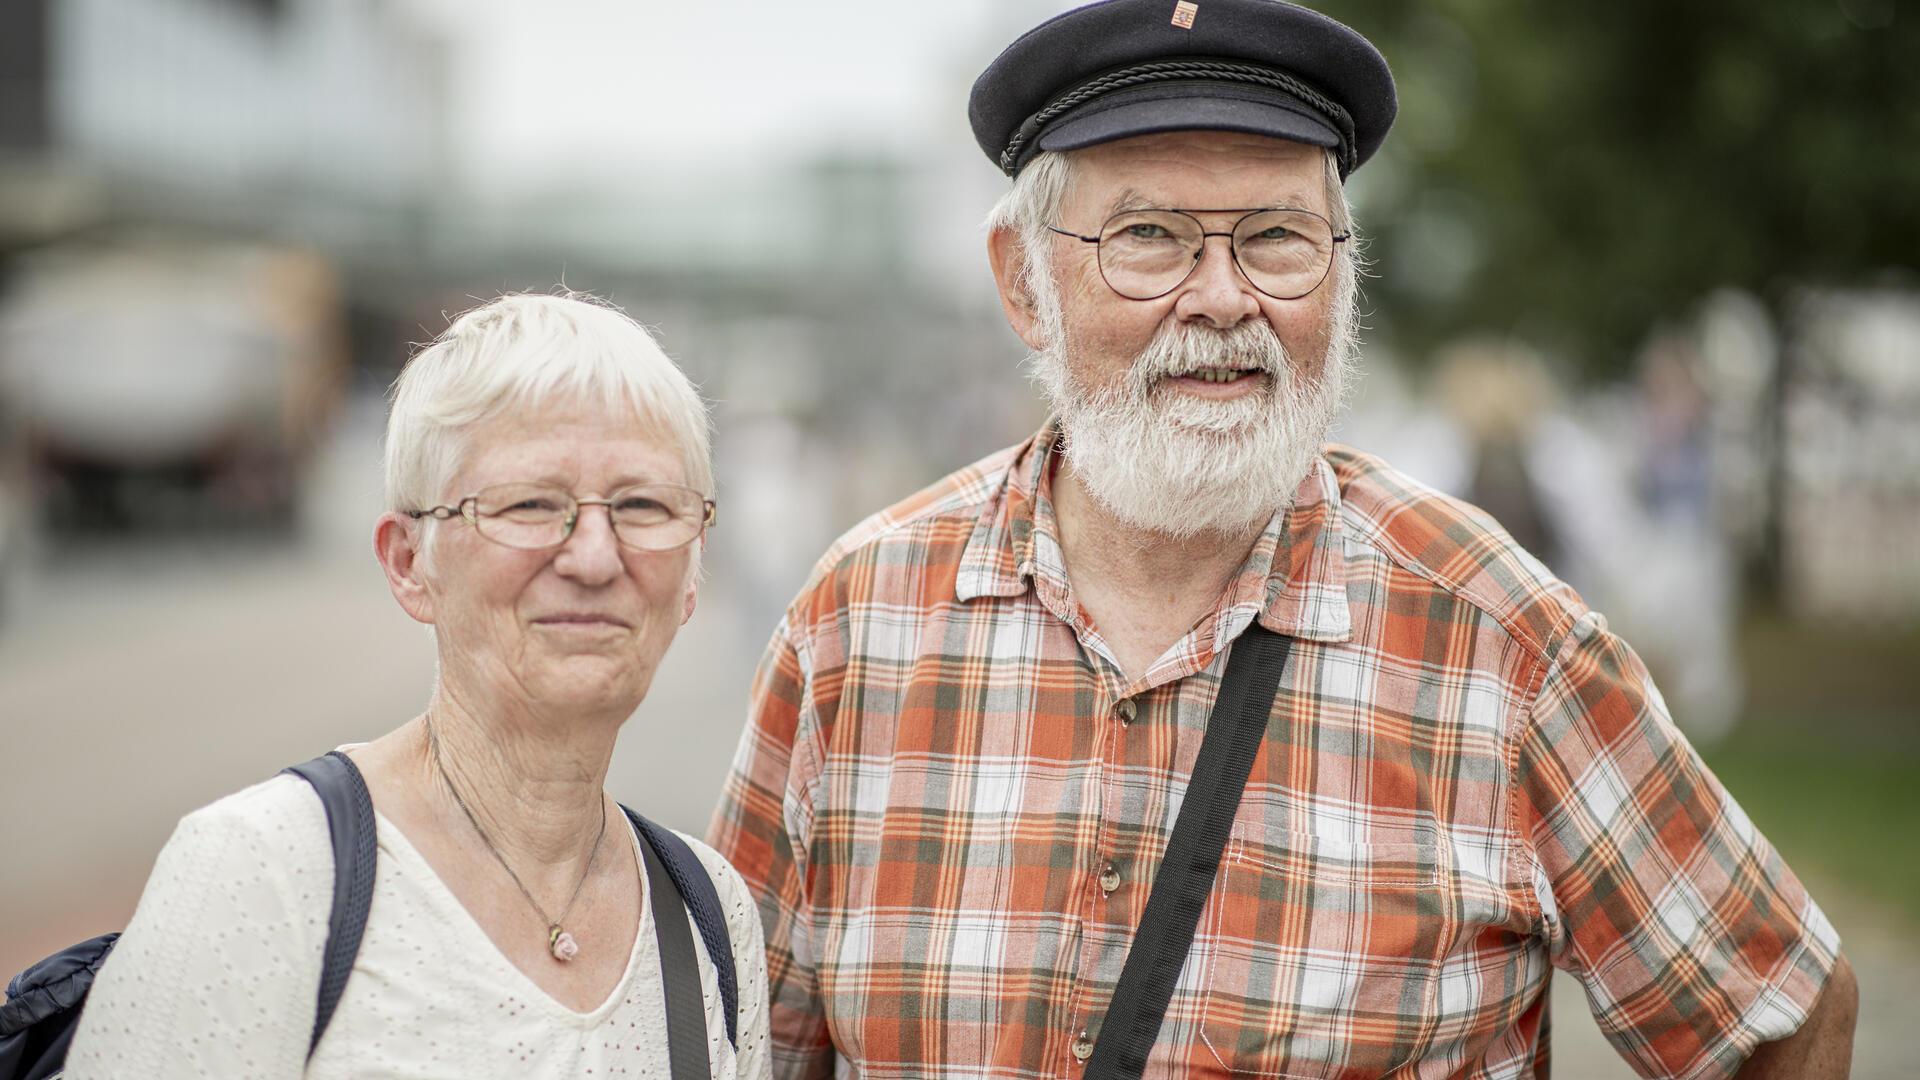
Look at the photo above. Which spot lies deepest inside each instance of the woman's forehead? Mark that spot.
(567, 444)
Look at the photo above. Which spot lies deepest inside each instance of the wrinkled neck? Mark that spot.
(535, 788)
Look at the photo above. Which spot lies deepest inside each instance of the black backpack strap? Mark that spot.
(350, 821)
(1185, 877)
(689, 876)
(679, 974)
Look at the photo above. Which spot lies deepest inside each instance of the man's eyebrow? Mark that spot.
(1128, 200)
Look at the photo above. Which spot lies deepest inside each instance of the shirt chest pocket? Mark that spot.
(1322, 956)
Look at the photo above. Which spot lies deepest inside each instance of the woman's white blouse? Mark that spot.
(216, 975)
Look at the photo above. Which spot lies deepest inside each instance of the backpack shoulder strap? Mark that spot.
(686, 999)
(690, 877)
(350, 821)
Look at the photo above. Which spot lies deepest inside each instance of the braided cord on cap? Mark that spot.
(1180, 71)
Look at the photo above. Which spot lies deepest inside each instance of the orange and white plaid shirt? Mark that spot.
(952, 804)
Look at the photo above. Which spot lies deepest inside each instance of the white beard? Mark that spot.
(1179, 465)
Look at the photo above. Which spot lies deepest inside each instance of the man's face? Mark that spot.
(1200, 410)
(1186, 170)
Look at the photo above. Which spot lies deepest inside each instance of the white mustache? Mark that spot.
(1184, 350)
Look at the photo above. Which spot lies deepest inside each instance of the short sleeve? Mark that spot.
(218, 971)
(1692, 938)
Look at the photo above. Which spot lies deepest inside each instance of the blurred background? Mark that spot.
(1644, 285)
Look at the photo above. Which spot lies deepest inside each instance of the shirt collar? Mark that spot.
(998, 560)
(1296, 571)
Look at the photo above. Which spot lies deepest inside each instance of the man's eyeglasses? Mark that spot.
(1146, 254)
(649, 517)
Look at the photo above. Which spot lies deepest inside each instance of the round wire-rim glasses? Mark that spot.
(1284, 253)
(533, 517)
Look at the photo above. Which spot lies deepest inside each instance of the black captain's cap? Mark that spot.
(1119, 68)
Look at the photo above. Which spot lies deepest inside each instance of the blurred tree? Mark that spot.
(1577, 174)
(1586, 171)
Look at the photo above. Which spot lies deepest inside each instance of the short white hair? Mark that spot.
(520, 352)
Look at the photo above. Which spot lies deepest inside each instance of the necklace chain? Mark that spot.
(553, 925)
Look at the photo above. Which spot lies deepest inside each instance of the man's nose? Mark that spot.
(1217, 292)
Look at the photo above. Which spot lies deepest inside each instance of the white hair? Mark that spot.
(522, 351)
(1028, 207)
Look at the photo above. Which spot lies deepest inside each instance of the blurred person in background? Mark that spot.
(973, 731)
(1635, 537)
(548, 480)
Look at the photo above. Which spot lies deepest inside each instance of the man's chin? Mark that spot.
(1192, 517)
(1186, 481)
(1178, 506)
(1208, 418)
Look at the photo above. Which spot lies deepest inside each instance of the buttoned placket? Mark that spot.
(1118, 744)
(1102, 874)
(1108, 880)
(1102, 899)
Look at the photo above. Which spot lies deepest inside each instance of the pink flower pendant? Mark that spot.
(562, 943)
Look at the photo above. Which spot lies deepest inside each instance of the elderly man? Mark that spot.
(989, 797)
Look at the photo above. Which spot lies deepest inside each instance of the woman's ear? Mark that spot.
(397, 543)
(1009, 259)
(693, 580)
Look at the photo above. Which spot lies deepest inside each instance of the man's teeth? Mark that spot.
(1216, 375)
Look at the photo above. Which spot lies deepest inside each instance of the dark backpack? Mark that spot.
(44, 1002)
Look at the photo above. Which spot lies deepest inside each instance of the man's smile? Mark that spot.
(1221, 382)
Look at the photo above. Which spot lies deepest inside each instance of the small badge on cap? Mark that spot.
(1183, 13)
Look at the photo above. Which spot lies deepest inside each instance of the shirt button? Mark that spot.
(1126, 709)
(1083, 1045)
(1109, 879)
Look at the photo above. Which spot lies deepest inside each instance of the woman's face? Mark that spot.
(578, 628)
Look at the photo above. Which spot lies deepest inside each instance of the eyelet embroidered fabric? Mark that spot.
(215, 975)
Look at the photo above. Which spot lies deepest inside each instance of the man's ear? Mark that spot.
(397, 543)
(1009, 259)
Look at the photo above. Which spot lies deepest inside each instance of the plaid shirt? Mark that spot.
(952, 803)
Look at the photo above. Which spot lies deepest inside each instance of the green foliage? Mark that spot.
(1579, 172)
(1837, 814)
(1824, 759)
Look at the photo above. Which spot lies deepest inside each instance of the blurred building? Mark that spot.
(314, 121)
(199, 199)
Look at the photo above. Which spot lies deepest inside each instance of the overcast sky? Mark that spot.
(610, 86)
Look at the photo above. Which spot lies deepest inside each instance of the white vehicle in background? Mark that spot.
(160, 380)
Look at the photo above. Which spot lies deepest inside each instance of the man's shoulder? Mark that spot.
(1453, 546)
(947, 509)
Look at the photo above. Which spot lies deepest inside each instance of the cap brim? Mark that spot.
(1152, 114)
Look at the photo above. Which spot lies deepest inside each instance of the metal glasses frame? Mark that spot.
(467, 508)
(1233, 249)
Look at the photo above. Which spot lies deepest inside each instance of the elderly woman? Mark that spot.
(548, 488)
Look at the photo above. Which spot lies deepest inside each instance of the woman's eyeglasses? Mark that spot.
(649, 517)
